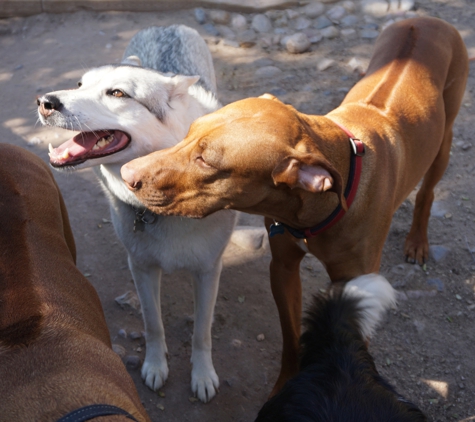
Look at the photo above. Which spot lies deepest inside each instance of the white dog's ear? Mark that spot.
(309, 172)
(132, 61)
(180, 85)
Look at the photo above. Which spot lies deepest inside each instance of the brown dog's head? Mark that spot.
(244, 156)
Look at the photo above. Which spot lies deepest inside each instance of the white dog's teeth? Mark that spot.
(50, 148)
(65, 155)
(95, 147)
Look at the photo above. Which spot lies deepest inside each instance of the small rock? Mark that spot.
(246, 36)
(211, 29)
(34, 141)
(437, 283)
(281, 22)
(301, 23)
(239, 22)
(438, 252)
(246, 237)
(336, 13)
(261, 23)
(348, 32)
(226, 32)
(220, 16)
(261, 337)
(397, 6)
(370, 25)
(349, 6)
(20, 66)
(420, 326)
(315, 38)
(134, 335)
(323, 22)
(349, 21)
(297, 43)
(132, 362)
(369, 34)
(438, 209)
(417, 294)
(108, 46)
(466, 146)
(330, 32)
(200, 15)
(118, 349)
(129, 299)
(324, 64)
(236, 343)
(250, 238)
(275, 14)
(313, 10)
(292, 14)
(122, 333)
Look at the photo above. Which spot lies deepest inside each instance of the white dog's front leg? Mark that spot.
(204, 380)
(147, 283)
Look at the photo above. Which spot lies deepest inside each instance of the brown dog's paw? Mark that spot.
(416, 249)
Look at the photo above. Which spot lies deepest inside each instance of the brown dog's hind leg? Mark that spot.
(287, 292)
(416, 247)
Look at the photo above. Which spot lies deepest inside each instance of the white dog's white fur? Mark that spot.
(375, 296)
(156, 112)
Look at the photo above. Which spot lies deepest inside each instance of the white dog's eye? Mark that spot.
(79, 84)
(117, 93)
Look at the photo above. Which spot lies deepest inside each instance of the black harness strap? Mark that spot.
(87, 413)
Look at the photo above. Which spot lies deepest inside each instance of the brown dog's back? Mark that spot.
(55, 351)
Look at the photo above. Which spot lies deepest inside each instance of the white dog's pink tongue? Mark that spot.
(81, 144)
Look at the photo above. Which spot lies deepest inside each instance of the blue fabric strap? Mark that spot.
(87, 413)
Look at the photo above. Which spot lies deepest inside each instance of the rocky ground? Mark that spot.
(309, 57)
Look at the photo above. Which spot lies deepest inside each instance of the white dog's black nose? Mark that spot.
(47, 104)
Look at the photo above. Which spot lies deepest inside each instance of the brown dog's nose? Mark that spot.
(47, 104)
(130, 178)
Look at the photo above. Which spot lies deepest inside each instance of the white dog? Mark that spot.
(127, 111)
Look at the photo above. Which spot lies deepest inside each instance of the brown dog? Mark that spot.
(263, 157)
(55, 351)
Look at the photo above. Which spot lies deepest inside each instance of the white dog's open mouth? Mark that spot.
(87, 145)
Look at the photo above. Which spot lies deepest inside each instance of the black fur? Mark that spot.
(338, 381)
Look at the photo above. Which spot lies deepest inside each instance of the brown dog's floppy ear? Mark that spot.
(310, 172)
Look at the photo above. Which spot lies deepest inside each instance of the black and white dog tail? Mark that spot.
(338, 380)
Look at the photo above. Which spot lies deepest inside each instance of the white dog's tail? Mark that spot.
(375, 296)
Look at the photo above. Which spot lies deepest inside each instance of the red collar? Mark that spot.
(357, 153)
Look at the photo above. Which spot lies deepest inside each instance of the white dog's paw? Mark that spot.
(155, 374)
(204, 382)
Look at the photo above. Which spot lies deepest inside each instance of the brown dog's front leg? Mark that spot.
(287, 291)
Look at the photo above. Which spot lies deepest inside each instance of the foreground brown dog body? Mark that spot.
(55, 351)
(261, 156)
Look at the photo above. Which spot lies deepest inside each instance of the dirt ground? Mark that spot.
(426, 347)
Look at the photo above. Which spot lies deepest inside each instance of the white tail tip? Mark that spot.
(375, 296)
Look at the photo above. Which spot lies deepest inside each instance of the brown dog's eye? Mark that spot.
(202, 162)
